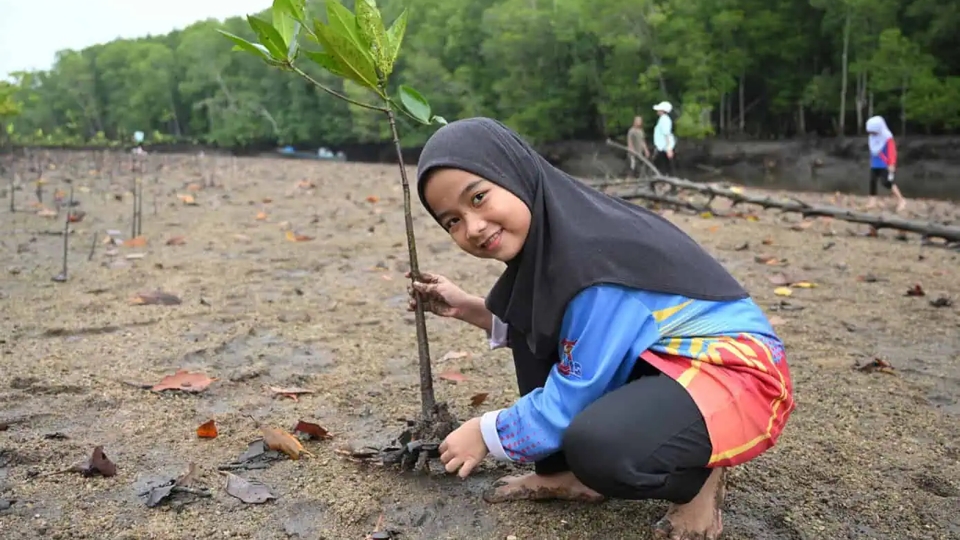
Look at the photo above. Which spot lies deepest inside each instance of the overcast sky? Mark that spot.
(32, 31)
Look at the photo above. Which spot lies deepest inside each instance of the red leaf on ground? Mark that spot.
(452, 376)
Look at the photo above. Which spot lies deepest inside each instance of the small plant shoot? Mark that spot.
(360, 48)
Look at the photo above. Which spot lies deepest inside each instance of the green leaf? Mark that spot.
(370, 25)
(269, 37)
(438, 120)
(297, 9)
(284, 23)
(244, 45)
(394, 39)
(415, 103)
(328, 62)
(357, 66)
(344, 22)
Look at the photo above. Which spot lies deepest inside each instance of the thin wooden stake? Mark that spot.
(66, 240)
(93, 246)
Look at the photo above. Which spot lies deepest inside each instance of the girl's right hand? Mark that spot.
(439, 295)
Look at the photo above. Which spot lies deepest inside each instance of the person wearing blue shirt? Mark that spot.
(645, 369)
(664, 141)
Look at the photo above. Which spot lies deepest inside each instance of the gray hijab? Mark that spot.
(578, 236)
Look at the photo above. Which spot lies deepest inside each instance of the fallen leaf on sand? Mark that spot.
(46, 212)
(372, 199)
(97, 463)
(783, 291)
(877, 364)
(478, 399)
(294, 237)
(281, 441)
(803, 225)
(248, 491)
(916, 290)
(155, 298)
(184, 380)
(76, 216)
(776, 320)
(766, 259)
(767, 241)
(158, 494)
(313, 431)
(261, 216)
(207, 430)
(291, 392)
(136, 241)
(194, 187)
(452, 376)
(803, 284)
(267, 200)
(177, 241)
(187, 199)
(454, 355)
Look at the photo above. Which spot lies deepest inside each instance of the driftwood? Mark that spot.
(926, 229)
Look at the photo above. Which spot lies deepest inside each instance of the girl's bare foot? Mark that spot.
(901, 205)
(535, 487)
(699, 519)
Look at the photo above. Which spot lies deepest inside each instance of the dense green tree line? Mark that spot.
(554, 69)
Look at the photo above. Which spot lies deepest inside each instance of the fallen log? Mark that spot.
(927, 229)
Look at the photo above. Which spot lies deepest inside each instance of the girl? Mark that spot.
(645, 369)
(883, 161)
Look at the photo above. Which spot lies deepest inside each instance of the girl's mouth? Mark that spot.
(493, 242)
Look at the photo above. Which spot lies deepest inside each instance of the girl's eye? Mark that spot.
(450, 223)
(477, 198)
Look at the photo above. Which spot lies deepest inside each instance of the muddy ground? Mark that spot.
(865, 455)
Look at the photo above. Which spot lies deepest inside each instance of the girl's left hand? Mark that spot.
(463, 449)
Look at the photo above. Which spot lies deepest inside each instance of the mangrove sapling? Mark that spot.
(357, 46)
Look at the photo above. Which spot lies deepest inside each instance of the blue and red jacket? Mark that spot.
(886, 158)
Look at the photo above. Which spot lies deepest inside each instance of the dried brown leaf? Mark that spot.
(207, 430)
(185, 381)
(452, 376)
(291, 392)
(248, 491)
(478, 399)
(314, 431)
(454, 355)
(177, 241)
(281, 441)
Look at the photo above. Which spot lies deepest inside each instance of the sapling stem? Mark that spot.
(427, 398)
(66, 238)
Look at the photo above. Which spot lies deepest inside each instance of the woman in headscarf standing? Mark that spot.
(645, 369)
(883, 161)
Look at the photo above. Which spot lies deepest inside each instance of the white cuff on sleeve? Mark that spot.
(498, 333)
(488, 427)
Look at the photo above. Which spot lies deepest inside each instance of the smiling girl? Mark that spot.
(644, 367)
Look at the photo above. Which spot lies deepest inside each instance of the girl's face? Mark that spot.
(484, 219)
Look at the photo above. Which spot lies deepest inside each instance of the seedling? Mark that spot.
(357, 46)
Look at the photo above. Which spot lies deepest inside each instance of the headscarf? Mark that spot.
(578, 236)
(879, 134)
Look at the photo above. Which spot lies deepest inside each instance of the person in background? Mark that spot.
(637, 142)
(663, 140)
(883, 161)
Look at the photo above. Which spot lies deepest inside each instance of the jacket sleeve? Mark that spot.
(604, 330)
(889, 155)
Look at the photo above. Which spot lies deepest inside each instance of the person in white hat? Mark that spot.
(663, 139)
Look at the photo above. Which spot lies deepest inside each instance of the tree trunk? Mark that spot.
(903, 108)
(870, 105)
(801, 119)
(722, 110)
(861, 100)
(841, 125)
(743, 113)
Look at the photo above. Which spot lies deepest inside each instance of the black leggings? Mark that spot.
(879, 175)
(645, 440)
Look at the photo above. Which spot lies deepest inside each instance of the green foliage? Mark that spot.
(553, 70)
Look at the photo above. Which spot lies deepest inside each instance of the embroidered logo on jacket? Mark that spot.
(567, 366)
